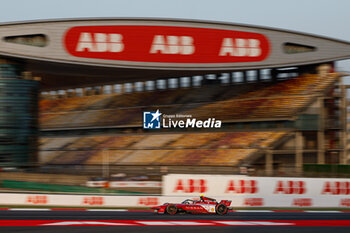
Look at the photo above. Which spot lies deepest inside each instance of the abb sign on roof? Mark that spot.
(166, 44)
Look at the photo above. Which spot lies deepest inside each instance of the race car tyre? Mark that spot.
(221, 209)
(171, 209)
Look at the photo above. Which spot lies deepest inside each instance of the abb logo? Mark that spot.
(240, 47)
(302, 202)
(148, 201)
(93, 201)
(191, 186)
(165, 44)
(345, 202)
(242, 186)
(254, 202)
(290, 187)
(100, 42)
(37, 199)
(336, 188)
(172, 45)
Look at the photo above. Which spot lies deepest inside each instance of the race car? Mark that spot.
(205, 205)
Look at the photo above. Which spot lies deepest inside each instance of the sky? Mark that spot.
(329, 18)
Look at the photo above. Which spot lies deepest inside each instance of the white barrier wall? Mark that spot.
(262, 191)
(242, 190)
(84, 200)
(148, 201)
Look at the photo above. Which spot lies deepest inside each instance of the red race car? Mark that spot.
(205, 205)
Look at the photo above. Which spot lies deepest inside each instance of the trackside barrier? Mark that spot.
(262, 191)
(230, 185)
(242, 190)
(293, 201)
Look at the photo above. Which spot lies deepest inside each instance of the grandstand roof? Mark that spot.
(70, 52)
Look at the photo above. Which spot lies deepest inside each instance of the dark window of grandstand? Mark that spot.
(6, 158)
(117, 88)
(288, 72)
(10, 94)
(105, 89)
(283, 76)
(225, 78)
(69, 93)
(251, 76)
(210, 76)
(173, 83)
(38, 40)
(265, 74)
(185, 82)
(139, 86)
(211, 79)
(97, 90)
(128, 87)
(292, 48)
(8, 109)
(60, 93)
(197, 81)
(149, 85)
(78, 92)
(108, 89)
(237, 77)
(161, 84)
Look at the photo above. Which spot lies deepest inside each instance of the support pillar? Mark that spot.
(269, 163)
(102, 90)
(245, 77)
(343, 122)
(298, 153)
(258, 76)
(274, 74)
(320, 133)
(84, 91)
(320, 148)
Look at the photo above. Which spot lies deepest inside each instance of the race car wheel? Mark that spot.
(221, 209)
(171, 209)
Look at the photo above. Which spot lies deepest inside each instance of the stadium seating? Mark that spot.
(162, 149)
(283, 99)
(104, 156)
(227, 157)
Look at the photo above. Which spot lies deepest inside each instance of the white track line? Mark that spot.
(29, 209)
(254, 211)
(320, 211)
(119, 210)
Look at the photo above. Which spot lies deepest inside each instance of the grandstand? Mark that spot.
(281, 103)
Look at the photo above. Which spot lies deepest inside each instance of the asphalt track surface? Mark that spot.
(146, 217)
